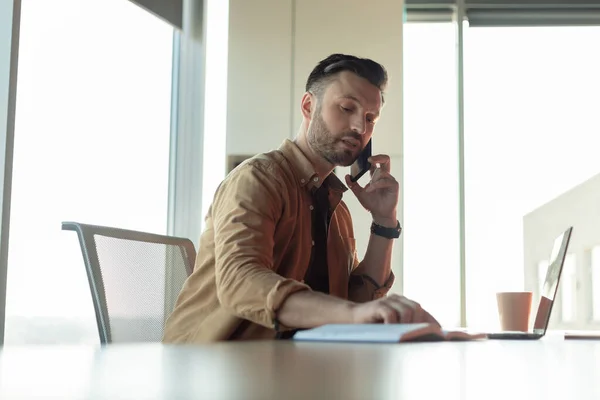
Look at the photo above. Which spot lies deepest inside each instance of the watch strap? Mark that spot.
(388, 233)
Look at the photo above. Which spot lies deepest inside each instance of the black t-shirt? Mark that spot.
(317, 276)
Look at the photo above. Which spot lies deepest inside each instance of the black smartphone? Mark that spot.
(362, 165)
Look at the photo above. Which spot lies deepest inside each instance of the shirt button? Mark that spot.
(316, 179)
(311, 207)
(302, 180)
(312, 242)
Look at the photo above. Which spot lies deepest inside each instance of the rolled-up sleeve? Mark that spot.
(245, 211)
(362, 288)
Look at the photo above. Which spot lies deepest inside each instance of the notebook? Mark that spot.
(583, 335)
(383, 333)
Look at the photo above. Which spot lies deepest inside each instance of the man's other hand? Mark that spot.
(390, 310)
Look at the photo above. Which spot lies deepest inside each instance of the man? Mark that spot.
(278, 252)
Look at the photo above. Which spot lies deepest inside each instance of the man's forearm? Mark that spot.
(308, 309)
(377, 262)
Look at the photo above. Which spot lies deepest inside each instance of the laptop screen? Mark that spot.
(555, 266)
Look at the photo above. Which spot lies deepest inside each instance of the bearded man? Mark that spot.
(278, 252)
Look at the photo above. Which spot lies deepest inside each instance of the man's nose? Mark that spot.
(359, 125)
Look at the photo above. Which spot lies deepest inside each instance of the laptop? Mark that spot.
(542, 319)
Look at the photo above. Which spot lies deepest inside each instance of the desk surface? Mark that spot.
(546, 369)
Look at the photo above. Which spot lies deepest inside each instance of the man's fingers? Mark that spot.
(381, 179)
(405, 310)
(383, 160)
(429, 319)
(381, 184)
(354, 186)
(389, 315)
(413, 310)
(418, 313)
(378, 173)
(395, 309)
(373, 169)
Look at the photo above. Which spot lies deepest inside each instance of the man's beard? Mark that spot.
(324, 143)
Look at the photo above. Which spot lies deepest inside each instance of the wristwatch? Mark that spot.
(389, 233)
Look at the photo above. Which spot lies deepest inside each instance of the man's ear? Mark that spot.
(307, 105)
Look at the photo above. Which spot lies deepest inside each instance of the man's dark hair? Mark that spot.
(326, 69)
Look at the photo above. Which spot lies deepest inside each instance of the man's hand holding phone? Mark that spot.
(380, 195)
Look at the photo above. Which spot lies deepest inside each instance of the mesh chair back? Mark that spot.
(135, 278)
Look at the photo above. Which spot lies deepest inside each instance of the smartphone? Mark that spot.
(361, 165)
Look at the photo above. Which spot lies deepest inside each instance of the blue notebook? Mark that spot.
(383, 333)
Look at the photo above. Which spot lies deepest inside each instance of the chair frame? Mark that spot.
(86, 233)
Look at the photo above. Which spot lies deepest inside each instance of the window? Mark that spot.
(531, 124)
(430, 180)
(92, 143)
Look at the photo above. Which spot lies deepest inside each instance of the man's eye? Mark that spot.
(346, 109)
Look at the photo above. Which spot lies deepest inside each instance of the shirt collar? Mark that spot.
(305, 171)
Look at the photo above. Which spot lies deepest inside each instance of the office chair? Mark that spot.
(134, 277)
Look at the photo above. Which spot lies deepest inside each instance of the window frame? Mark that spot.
(10, 22)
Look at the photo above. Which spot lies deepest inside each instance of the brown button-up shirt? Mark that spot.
(255, 251)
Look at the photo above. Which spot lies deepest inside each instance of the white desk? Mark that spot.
(545, 370)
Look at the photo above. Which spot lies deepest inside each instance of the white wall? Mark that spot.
(259, 75)
(580, 208)
(273, 46)
(367, 29)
